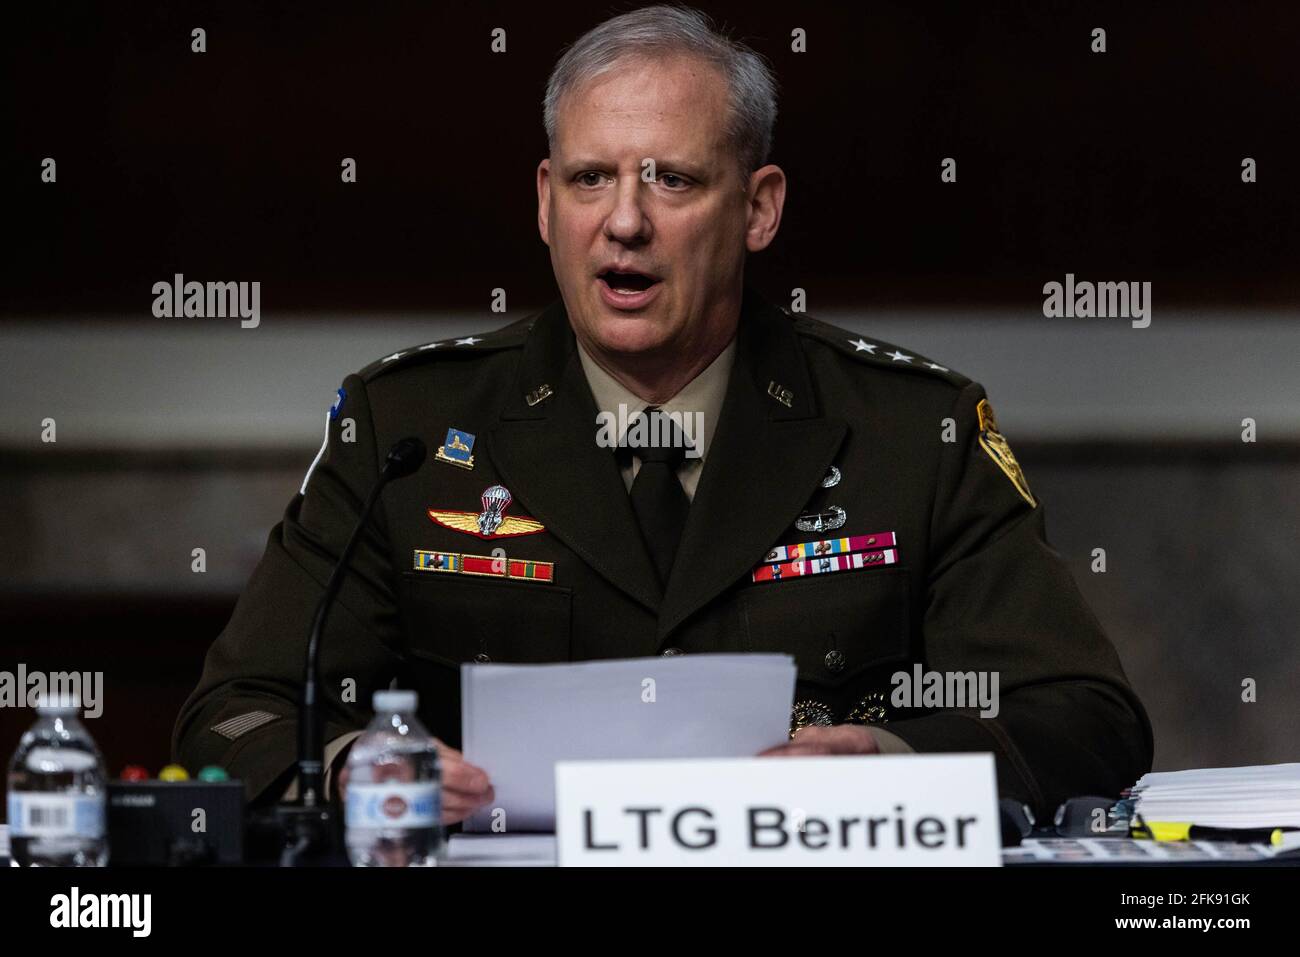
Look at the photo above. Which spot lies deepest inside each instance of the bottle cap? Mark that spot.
(173, 772)
(134, 772)
(213, 773)
(57, 702)
(395, 700)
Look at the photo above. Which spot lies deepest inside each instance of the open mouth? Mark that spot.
(627, 283)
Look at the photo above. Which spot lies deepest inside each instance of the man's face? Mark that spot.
(647, 268)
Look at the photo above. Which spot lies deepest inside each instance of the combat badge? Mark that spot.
(492, 522)
(456, 449)
(827, 520)
(992, 442)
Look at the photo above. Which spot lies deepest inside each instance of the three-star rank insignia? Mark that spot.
(999, 450)
(492, 522)
(456, 449)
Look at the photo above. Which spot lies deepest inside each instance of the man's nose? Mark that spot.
(627, 222)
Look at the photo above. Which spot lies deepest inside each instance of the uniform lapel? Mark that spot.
(546, 454)
(763, 464)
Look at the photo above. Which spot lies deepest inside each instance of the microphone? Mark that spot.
(309, 819)
(404, 458)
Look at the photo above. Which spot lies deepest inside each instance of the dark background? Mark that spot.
(1119, 166)
(1125, 163)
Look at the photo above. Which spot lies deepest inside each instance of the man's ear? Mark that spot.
(766, 200)
(544, 200)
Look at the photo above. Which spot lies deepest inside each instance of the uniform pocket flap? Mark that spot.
(835, 626)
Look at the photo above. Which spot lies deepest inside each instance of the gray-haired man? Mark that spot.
(818, 511)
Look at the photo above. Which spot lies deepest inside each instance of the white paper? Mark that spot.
(517, 721)
(500, 850)
(1253, 796)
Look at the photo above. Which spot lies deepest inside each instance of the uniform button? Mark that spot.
(482, 659)
(669, 652)
(834, 662)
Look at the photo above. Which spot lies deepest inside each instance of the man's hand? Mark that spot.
(818, 740)
(465, 787)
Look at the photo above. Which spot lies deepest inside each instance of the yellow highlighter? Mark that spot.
(1185, 831)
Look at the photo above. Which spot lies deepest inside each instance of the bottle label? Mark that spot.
(52, 814)
(393, 804)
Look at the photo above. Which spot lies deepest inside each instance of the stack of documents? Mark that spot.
(1262, 796)
(517, 721)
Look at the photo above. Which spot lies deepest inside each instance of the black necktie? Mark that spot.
(657, 496)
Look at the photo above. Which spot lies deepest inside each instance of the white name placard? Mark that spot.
(881, 811)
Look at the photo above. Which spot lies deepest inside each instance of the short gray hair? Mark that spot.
(663, 29)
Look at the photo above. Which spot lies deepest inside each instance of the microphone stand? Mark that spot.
(309, 824)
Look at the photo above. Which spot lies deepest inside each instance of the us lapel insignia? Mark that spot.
(456, 449)
(832, 478)
(492, 522)
(827, 520)
(999, 450)
(781, 394)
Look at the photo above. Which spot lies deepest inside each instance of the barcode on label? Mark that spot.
(51, 814)
(43, 817)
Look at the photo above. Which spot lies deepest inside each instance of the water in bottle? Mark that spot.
(57, 792)
(393, 800)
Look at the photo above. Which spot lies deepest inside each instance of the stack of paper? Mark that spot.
(519, 720)
(1265, 795)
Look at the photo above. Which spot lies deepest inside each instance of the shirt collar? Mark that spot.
(703, 394)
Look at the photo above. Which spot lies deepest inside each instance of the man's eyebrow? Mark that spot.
(675, 164)
(680, 165)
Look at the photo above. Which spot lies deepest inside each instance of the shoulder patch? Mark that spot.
(873, 351)
(507, 337)
(999, 450)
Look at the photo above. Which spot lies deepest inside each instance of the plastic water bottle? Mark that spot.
(393, 810)
(57, 792)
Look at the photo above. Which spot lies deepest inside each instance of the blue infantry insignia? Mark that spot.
(456, 449)
(337, 407)
(999, 450)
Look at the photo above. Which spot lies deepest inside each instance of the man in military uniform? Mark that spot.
(845, 501)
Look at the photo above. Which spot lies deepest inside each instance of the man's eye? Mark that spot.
(589, 178)
(672, 180)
